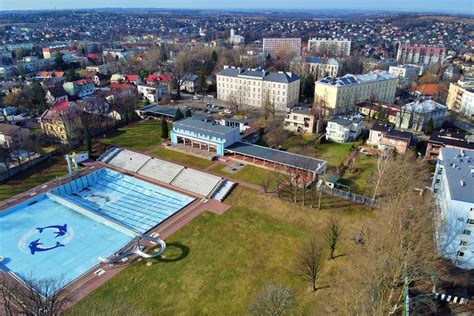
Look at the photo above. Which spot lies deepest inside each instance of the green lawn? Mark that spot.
(45, 171)
(358, 181)
(249, 173)
(142, 136)
(182, 158)
(333, 153)
(216, 264)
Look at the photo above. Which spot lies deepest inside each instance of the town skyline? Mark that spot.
(462, 7)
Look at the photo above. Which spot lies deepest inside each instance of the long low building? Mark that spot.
(276, 159)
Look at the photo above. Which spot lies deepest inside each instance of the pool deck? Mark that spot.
(88, 282)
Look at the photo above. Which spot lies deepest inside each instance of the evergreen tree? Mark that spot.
(37, 98)
(214, 56)
(178, 116)
(144, 73)
(72, 75)
(307, 88)
(164, 128)
(59, 61)
(188, 113)
(430, 127)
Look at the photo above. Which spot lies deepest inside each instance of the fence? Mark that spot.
(349, 196)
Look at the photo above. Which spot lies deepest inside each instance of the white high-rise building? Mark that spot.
(453, 184)
(329, 47)
(254, 87)
(281, 46)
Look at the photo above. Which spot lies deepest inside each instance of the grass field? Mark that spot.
(182, 158)
(45, 171)
(216, 264)
(143, 136)
(333, 153)
(364, 166)
(249, 173)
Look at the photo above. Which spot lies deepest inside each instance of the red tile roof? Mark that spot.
(131, 77)
(161, 78)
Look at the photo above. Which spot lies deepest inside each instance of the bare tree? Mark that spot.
(274, 300)
(42, 297)
(266, 182)
(333, 232)
(383, 162)
(310, 262)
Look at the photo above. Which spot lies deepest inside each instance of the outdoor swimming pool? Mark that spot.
(44, 239)
(62, 233)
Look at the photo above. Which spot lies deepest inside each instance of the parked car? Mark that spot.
(227, 111)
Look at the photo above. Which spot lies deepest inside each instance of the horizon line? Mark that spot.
(414, 10)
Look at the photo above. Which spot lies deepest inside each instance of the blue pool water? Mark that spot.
(30, 248)
(133, 203)
(63, 233)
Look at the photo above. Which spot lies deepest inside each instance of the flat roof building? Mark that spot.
(453, 184)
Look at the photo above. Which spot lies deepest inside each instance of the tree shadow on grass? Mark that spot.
(174, 252)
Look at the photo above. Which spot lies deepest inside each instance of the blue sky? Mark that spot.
(461, 6)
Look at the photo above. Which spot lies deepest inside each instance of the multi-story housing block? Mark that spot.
(281, 46)
(341, 94)
(421, 54)
(453, 184)
(329, 47)
(256, 87)
(461, 97)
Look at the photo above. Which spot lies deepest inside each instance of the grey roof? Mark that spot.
(203, 127)
(389, 130)
(262, 74)
(459, 166)
(356, 79)
(159, 109)
(346, 120)
(320, 60)
(278, 156)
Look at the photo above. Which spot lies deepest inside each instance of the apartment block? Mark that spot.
(255, 87)
(329, 47)
(281, 46)
(453, 184)
(461, 97)
(341, 94)
(421, 54)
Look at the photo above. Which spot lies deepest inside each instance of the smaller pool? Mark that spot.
(42, 238)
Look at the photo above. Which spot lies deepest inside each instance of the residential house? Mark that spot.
(386, 137)
(12, 136)
(79, 88)
(96, 77)
(125, 78)
(453, 185)
(301, 120)
(446, 139)
(381, 111)
(62, 122)
(151, 93)
(343, 129)
(55, 94)
(190, 83)
(421, 115)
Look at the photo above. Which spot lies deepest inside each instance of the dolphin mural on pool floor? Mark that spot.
(62, 230)
(35, 243)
